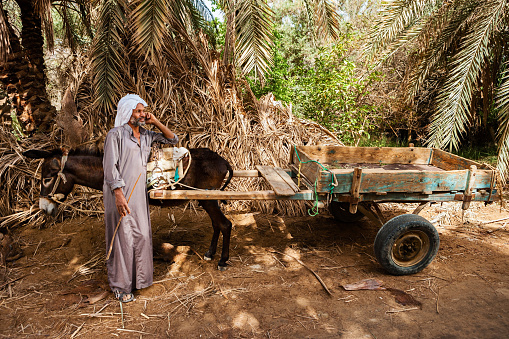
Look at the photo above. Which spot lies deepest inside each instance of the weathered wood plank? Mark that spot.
(309, 169)
(231, 195)
(284, 175)
(416, 197)
(302, 179)
(374, 181)
(278, 184)
(468, 190)
(246, 173)
(374, 155)
(254, 173)
(448, 161)
(355, 189)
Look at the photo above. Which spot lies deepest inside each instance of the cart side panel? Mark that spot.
(331, 155)
(419, 197)
(382, 182)
(450, 162)
(307, 168)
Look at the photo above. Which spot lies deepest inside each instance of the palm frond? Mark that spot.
(407, 36)
(201, 8)
(254, 38)
(43, 8)
(502, 102)
(150, 20)
(84, 7)
(395, 17)
(446, 25)
(198, 15)
(229, 37)
(70, 35)
(108, 55)
(453, 105)
(4, 35)
(326, 18)
(192, 14)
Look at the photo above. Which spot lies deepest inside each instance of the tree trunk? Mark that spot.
(23, 74)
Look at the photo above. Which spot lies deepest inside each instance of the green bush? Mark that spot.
(327, 90)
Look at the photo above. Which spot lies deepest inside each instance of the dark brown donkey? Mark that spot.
(207, 171)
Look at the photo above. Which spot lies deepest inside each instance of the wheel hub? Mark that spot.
(410, 248)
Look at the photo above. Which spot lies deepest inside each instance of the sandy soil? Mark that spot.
(59, 289)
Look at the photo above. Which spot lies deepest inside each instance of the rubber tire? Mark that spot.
(340, 211)
(396, 228)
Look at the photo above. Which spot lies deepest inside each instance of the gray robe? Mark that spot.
(130, 264)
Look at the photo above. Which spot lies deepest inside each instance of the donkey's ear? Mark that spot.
(36, 154)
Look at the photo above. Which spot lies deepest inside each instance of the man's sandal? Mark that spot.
(123, 297)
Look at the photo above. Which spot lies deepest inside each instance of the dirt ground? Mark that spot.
(59, 288)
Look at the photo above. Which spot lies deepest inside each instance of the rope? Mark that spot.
(60, 175)
(176, 176)
(313, 211)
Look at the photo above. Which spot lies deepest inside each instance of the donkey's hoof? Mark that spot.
(222, 268)
(207, 258)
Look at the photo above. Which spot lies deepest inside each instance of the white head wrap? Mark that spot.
(125, 108)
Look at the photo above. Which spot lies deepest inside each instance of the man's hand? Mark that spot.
(151, 119)
(121, 203)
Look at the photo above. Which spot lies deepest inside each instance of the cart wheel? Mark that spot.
(406, 244)
(341, 212)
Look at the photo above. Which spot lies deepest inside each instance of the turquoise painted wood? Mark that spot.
(447, 175)
(415, 197)
(372, 182)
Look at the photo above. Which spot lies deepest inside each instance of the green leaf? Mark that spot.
(150, 19)
(108, 55)
(254, 41)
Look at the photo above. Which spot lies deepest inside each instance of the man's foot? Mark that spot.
(123, 297)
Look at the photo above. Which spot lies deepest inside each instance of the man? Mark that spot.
(126, 152)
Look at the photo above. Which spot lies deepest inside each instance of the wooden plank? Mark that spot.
(255, 173)
(278, 184)
(231, 195)
(468, 189)
(302, 179)
(355, 190)
(373, 155)
(246, 173)
(374, 181)
(309, 169)
(284, 175)
(448, 161)
(416, 197)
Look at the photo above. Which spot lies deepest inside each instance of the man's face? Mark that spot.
(138, 116)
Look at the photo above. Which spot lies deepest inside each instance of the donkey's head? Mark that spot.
(56, 183)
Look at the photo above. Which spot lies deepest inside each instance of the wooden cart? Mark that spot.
(355, 179)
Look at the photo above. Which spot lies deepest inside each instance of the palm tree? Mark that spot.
(464, 43)
(22, 54)
(146, 30)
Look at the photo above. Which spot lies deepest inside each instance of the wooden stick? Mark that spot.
(13, 280)
(492, 221)
(493, 231)
(438, 296)
(76, 332)
(116, 228)
(132, 331)
(402, 310)
(309, 269)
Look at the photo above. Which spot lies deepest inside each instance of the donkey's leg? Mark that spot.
(209, 255)
(220, 223)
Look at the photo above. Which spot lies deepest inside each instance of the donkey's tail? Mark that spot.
(230, 176)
